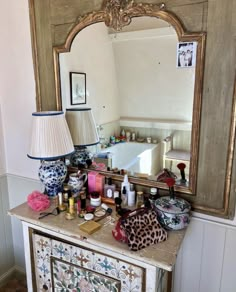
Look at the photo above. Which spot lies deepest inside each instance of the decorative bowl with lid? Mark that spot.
(173, 213)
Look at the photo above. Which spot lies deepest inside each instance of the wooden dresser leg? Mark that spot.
(169, 281)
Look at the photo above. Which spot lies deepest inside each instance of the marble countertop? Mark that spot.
(162, 255)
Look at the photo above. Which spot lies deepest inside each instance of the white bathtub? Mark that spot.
(136, 157)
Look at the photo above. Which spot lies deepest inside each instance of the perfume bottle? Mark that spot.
(62, 206)
(139, 201)
(109, 189)
(153, 195)
(82, 200)
(124, 196)
(131, 196)
(71, 205)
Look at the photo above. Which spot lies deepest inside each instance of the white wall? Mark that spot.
(127, 68)
(2, 148)
(207, 262)
(17, 102)
(146, 67)
(17, 87)
(98, 64)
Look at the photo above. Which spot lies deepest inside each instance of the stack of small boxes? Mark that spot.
(96, 182)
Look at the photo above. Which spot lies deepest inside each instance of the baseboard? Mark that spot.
(19, 270)
(15, 271)
(7, 276)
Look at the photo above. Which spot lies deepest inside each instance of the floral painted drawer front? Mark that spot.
(69, 277)
(61, 267)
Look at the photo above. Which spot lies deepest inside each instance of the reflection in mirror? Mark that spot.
(138, 94)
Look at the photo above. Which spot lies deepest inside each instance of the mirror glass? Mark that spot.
(140, 86)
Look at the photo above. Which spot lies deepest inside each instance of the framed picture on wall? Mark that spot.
(77, 88)
(186, 54)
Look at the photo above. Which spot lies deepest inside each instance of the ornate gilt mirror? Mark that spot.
(125, 26)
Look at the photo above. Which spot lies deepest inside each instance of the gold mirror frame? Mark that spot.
(119, 13)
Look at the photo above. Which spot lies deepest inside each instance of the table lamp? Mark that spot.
(84, 133)
(50, 141)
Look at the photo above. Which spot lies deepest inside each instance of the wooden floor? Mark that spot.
(16, 284)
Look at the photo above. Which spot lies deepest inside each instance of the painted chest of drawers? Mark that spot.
(60, 257)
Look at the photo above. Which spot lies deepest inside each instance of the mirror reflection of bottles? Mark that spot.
(109, 188)
(128, 134)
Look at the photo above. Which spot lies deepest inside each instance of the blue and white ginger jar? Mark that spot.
(52, 174)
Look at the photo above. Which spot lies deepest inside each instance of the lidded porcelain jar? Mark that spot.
(95, 199)
(52, 174)
(173, 213)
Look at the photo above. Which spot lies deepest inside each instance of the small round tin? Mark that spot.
(88, 216)
(173, 214)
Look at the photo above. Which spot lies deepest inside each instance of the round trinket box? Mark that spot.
(173, 214)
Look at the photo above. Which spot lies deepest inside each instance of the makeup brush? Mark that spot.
(181, 167)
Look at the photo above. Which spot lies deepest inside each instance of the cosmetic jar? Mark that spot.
(95, 199)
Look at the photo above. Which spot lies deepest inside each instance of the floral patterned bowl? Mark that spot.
(173, 214)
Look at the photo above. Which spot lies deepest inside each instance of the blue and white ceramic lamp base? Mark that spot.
(52, 174)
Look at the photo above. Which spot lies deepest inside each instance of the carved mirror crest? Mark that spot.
(118, 14)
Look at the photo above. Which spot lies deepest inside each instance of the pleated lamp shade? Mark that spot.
(82, 126)
(50, 136)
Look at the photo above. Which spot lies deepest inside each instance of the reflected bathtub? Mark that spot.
(136, 158)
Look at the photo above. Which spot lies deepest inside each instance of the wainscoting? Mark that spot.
(19, 188)
(6, 242)
(14, 280)
(206, 262)
(13, 191)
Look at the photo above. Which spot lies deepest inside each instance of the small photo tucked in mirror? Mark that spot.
(77, 88)
(186, 54)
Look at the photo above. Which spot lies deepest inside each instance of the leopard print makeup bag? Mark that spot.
(143, 229)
